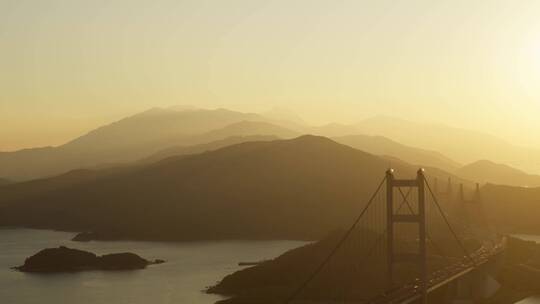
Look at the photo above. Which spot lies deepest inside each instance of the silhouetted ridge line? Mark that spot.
(280, 189)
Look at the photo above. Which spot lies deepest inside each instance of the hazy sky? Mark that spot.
(67, 66)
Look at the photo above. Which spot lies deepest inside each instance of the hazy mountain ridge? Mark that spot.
(245, 128)
(196, 149)
(141, 128)
(458, 145)
(462, 145)
(133, 138)
(485, 171)
(152, 131)
(335, 130)
(383, 146)
(376, 145)
(277, 189)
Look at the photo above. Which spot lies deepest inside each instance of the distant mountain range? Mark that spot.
(135, 137)
(292, 189)
(461, 145)
(162, 131)
(485, 171)
(196, 149)
(379, 145)
(156, 132)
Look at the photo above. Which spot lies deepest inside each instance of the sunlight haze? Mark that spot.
(68, 67)
(269, 151)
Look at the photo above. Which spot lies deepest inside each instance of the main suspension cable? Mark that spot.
(336, 248)
(448, 223)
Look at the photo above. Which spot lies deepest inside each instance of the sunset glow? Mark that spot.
(76, 65)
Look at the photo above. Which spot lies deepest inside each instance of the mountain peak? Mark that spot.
(485, 164)
(310, 138)
(486, 171)
(183, 108)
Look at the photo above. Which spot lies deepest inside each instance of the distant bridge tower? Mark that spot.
(419, 218)
(461, 193)
(477, 194)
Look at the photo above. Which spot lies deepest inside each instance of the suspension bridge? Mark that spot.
(412, 241)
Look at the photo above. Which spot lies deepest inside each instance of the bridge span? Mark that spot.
(410, 293)
(412, 222)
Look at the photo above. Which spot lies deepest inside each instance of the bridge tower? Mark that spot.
(477, 195)
(461, 193)
(419, 218)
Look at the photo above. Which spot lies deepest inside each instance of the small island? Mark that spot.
(63, 259)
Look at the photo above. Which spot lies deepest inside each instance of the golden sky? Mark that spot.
(67, 66)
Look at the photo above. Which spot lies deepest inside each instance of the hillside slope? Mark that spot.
(287, 189)
(355, 273)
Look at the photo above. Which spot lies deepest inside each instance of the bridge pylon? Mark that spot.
(418, 218)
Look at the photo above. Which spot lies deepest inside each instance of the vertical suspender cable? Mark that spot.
(336, 248)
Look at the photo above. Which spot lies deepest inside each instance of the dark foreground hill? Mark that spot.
(286, 189)
(347, 279)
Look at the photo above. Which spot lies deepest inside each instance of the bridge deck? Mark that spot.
(411, 292)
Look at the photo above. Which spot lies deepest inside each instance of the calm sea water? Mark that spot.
(190, 268)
